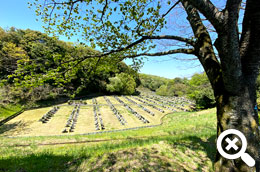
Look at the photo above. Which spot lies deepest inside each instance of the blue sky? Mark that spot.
(16, 13)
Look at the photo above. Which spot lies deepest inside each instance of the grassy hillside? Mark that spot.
(8, 110)
(185, 142)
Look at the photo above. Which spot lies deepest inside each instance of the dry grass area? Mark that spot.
(184, 142)
(28, 124)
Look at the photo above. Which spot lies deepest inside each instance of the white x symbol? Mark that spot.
(231, 144)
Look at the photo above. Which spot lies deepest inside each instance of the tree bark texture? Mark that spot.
(233, 76)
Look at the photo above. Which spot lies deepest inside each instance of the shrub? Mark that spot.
(122, 83)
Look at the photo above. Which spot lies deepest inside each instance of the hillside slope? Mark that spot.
(185, 142)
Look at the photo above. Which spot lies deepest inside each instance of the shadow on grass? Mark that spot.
(196, 143)
(49, 162)
(40, 163)
(209, 146)
(8, 127)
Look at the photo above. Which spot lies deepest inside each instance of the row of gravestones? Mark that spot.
(179, 100)
(183, 100)
(148, 104)
(46, 117)
(97, 115)
(140, 117)
(161, 100)
(170, 102)
(158, 104)
(151, 99)
(73, 118)
(115, 111)
(145, 109)
(77, 102)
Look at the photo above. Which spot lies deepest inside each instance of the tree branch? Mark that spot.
(172, 37)
(211, 12)
(103, 11)
(249, 41)
(203, 47)
(108, 53)
(180, 50)
(143, 38)
(64, 3)
(165, 14)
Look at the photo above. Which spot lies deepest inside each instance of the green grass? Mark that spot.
(8, 110)
(185, 142)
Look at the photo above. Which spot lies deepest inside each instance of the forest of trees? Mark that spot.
(197, 88)
(26, 55)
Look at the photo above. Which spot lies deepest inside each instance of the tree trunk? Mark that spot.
(233, 82)
(240, 67)
(237, 112)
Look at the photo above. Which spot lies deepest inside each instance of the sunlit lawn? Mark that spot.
(185, 142)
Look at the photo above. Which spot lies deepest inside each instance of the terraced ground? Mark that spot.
(131, 108)
(184, 142)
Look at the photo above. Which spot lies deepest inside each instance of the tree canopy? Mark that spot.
(32, 67)
(129, 28)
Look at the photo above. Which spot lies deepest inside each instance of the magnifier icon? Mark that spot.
(231, 144)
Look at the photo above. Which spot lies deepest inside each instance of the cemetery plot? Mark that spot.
(115, 111)
(77, 102)
(97, 116)
(151, 105)
(178, 103)
(28, 124)
(71, 123)
(103, 113)
(45, 118)
(159, 104)
(182, 100)
(140, 117)
(85, 122)
(145, 109)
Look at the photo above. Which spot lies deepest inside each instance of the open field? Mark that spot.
(78, 117)
(184, 142)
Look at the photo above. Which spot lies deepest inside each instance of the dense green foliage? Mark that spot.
(152, 82)
(122, 84)
(174, 87)
(200, 90)
(197, 88)
(34, 66)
